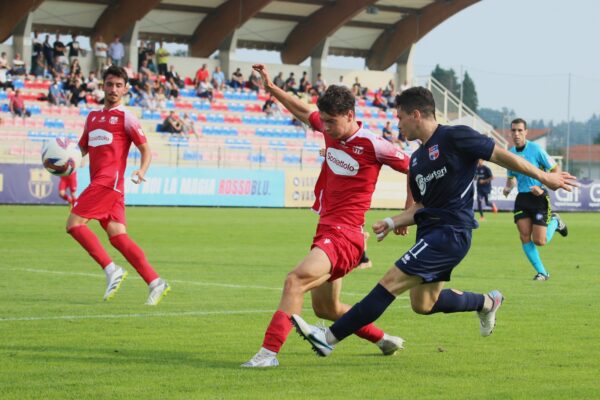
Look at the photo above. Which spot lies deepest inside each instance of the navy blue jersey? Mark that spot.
(483, 172)
(442, 172)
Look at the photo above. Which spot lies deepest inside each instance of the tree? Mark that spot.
(469, 92)
(597, 139)
(447, 77)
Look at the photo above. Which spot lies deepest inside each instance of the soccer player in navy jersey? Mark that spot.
(353, 158)
(533, 214)
(441, 179)
(484, 178)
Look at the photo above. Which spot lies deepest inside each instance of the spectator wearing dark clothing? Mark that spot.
(172, 124)
(387, 133)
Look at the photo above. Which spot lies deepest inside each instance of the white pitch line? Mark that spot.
(197, 283)
(136, 315)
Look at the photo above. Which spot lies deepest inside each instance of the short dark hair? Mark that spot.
(336, 100)
(519, 121)
(119, 72)
(416, 98)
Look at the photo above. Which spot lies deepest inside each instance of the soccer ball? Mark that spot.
(61, 156)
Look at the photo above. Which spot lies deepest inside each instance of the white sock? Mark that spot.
(154, 283)
(267, 352)
(379, 342)
(330, 338)
(110, 269)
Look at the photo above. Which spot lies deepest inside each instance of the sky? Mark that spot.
(520, 53)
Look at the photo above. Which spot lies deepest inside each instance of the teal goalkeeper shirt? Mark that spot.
(538, 157)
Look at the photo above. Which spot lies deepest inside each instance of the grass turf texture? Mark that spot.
(227, 266)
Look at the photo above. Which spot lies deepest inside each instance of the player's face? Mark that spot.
(114, 89)
(518, 133)
(337, 126)
(407, 124)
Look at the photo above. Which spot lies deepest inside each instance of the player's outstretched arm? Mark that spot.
(396, 223)
(137, 176)
(508, 187)
(553, 180)
(300, 109)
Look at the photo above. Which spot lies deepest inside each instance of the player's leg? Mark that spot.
(117, 234)
(480, 206)
(73, 190)
(326, 304)
(365, 262)
(525, 228)
(311, 272)
(62, 191)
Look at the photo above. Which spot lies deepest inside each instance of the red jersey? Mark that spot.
(348, 176)
(107, 137)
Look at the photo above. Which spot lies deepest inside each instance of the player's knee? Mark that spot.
(420, 308)
(292, 283)
(539, 241)
(326, 311)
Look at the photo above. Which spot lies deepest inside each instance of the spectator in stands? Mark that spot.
(270, 108)
(379, 101)
(56, 94)
(161, 98)
(17, 105)
(75, 49)
(387, 133)
(254, 82)
(100, 52)
(174, 77)
(75, 68)
(204, 90)
(172, 124)
(356, 88)
(188, 125)
(93, 87)
(4, 82)
(304, 84)
(48, 54)
(60, 61)
(290, 84)
(77, 93)
(116, 52)
(341, 81)
(201, 75)
(18, 66)
(144, 70)
(150, 57)
(39, 67)
(320, 84)
(218, 78)
(237, 79)
(36, 51)
(171, 88)
(128, 68)
(162, 59)
(402, 141)
(3, 60)
(278, 80)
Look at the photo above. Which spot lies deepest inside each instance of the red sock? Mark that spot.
(89, 241)
(277, 331)
(66, 197)
(134, 255)
(370, 332)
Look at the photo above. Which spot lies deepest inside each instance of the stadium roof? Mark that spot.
(378, 30)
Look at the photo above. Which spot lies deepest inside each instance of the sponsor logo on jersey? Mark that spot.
(327, 241)
(434, 152)
(99, 137)
(113, 120)
(358, 149)
(341, 163)
(102, 118)
(423, 180)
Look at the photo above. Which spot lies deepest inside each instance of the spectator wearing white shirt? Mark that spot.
(100, 52)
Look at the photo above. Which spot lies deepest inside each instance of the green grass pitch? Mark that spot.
(58, 340)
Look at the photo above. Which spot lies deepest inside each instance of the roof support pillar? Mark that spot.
(22, 39)
(318, 59)
(404, 66)
(227, 52)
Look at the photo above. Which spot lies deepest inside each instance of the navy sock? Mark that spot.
(450, 302)
(363, 312)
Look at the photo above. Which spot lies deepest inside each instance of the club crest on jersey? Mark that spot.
(434, 152)
(113, 120)
(358, 149)
(102, 118)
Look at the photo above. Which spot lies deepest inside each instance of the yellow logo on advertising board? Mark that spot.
(40, 183)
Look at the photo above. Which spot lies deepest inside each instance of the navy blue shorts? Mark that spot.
(437, 251)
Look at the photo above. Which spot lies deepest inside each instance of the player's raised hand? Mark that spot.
(137, 177)
(560, 180)
(264, 74)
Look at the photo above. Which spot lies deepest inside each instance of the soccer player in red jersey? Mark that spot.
(353, 159)
(107, 137)
(68, 182)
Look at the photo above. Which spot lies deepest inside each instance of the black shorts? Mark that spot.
(537, 208)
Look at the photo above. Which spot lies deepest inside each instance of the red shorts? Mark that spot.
(68, 182)
(101, 203)
(343, 245)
